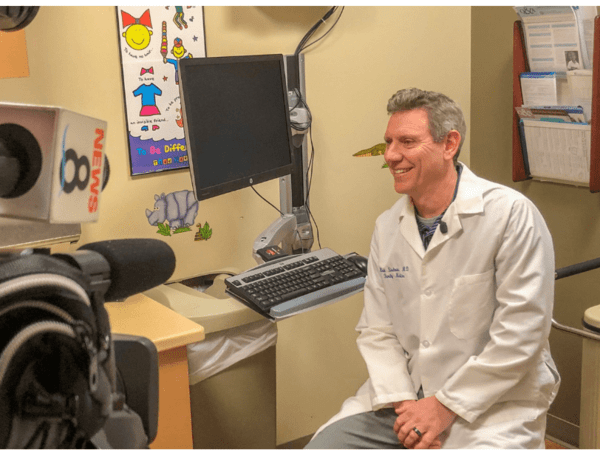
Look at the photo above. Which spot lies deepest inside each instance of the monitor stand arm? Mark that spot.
(291, 232)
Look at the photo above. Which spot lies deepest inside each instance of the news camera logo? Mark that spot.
(79, 170)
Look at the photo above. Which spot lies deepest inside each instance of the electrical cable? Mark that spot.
(299, 239)
(309, 172)
(303, 45)
(314, 28)
(295, 125)
(278, 210)
(327, 32)
(309, 169)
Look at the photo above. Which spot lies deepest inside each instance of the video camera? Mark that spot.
(65, 379)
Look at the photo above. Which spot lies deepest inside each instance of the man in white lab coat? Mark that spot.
(457, 304)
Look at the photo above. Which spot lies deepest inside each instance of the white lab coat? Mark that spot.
(468, 319)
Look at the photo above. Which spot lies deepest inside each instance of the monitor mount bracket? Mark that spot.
(292, 232)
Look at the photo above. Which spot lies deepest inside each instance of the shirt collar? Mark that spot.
(468, 194)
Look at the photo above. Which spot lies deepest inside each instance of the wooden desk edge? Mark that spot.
(141, 316)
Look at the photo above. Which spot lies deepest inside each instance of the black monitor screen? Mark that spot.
(236, 121)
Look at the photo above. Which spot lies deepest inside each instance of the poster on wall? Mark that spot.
(153, 39)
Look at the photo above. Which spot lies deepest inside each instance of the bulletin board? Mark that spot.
(13, 54)
(152, 41)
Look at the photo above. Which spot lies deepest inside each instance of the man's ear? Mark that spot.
(452, 143)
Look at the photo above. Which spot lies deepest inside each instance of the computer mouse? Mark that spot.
(360, 262)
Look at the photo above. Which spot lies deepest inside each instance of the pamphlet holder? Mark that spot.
(520, 64)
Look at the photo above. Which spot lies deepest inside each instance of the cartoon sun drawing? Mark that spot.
(137, 35)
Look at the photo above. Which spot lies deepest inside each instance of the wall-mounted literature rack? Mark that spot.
(520, 64)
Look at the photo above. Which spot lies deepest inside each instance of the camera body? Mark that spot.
(65, 379)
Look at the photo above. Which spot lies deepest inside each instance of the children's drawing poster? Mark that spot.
(153, 39)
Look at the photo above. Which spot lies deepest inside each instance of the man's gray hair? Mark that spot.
(443, 113)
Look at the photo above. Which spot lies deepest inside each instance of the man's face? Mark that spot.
(415, 160)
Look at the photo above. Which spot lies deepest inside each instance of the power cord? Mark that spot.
(309, 171)
(302, 104)
(302, 45)
(276, 208)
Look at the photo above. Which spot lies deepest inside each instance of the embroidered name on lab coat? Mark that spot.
(393, 272)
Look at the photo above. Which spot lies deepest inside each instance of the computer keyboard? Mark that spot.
(287, 286)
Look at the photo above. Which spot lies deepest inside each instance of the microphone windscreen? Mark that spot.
(443, 227)
(136, 265)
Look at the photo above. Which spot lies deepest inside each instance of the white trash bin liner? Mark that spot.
(222, 349)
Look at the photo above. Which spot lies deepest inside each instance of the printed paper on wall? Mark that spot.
(152, 41)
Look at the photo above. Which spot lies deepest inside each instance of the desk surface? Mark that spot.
(214, 314)
(140, 315)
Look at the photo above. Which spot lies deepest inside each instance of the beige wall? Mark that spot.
(571, 213)
(373, 51)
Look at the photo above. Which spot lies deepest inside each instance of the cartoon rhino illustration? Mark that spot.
(179, 208)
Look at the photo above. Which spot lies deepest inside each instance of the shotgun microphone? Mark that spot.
(136, 265)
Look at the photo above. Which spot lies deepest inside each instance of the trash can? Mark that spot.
(232, 371)
(589, 420)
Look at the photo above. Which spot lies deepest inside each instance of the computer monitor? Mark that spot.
(236, 121)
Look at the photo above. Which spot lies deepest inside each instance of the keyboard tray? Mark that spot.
(298, 283)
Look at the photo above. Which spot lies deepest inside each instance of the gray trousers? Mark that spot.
(372, 429)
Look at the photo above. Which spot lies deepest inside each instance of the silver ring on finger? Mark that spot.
(416, 430)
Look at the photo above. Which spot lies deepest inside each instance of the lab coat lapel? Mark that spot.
(408, 227)
(469, 200)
